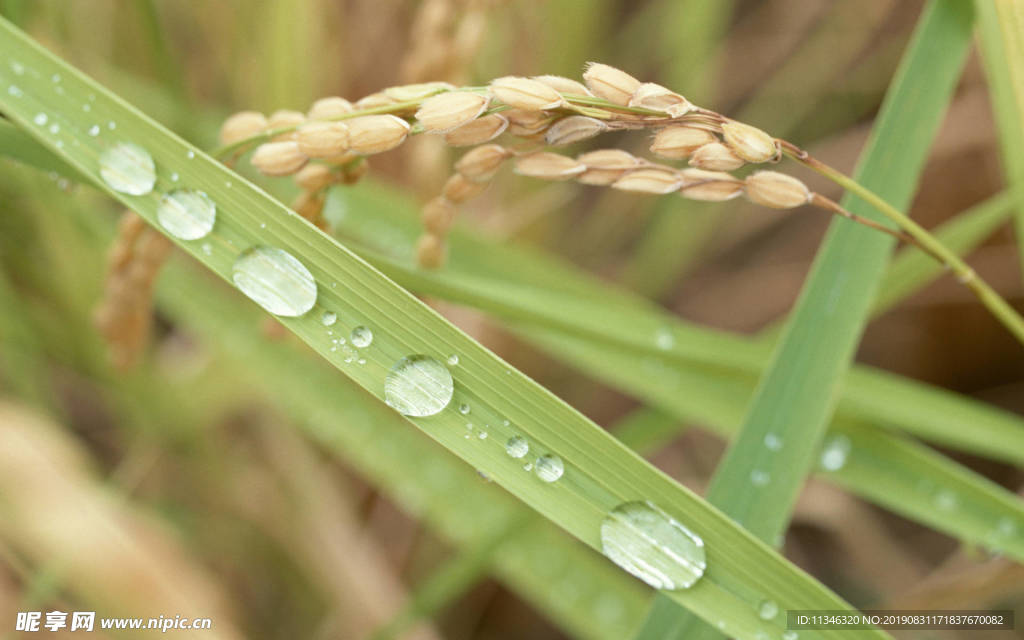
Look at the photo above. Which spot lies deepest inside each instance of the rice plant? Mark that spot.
(172, 451)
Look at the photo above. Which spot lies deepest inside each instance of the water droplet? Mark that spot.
(418, 386)
(128, 168)
(55, 78)
(772, 441)
(188, 215)
(464, 408)
(111, 125)
(453, 360)
(790, 635)
(40, 119)
(17, 68)
(207, 249)
(174, 177)
(275, 280)
(361, 361)
(945, 500)
(227, 183)
(483, 475)
(835, 452)
(517, 446)
(759, 478)
(362, 337)
(15, 91)
(549, 467)
(59, 144)
(528, 466)
(328, 318)
(94, 130)
(767, 609)
(190, 154)
(482, 435)
(1006, 527)
(651, 545)
(664, 339)
(86, 107)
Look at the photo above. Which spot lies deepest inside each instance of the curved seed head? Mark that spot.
(430, 251)
(322, 139)
(314, 177)
(459, 189)
(408, 92)
(285, 118)
(278, 158)
(680, 141)
(477, 131)
(525, 123)
(749, 143)
(776, 190)
(653, 180)
(716, 156)
(609, 159)
(330, 107)
(524, 93)
(710, 186)
(242, 125)
(657, 98)
(374, 100)
(437, 216)
(450, 110)
(573, 129)
(377, 133)
(548, 166)
(480, 164)
(564, 85)
(610, 83)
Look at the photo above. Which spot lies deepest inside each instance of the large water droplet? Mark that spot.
(128, 168)
(517, 447)
(835, 452)
(651, 545)
(418, 386)
(275, 280)
(767, 609)
(188, 215)
(549, 467)
(362, 337)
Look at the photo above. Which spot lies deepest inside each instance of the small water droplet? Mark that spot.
(1006, 527)
(517, 447)
(759, 478)
(40, 119)
(188, 215)
(945, 500)
(418, 386)
(506, 423)
(60, 91)
(482, 435)
(664, 339)
(772, 441)
(227, 183)
(549, 467)
(128, 168)
(55, 78)
(453, 360)
(86, 107)
(361, 361)
(190, 154)
(94, 130)
(17, 68)
(111, 125)
(464, 409)
(328, 318)
(363, 337)
(174, 177)
(263, 225)
(15, 91)
(59, 144)
(767, 609)
(653, 546)
(275, 280)
(528, 466)
(835, 452)
(207, 249)
(92, 97)
(790, 635)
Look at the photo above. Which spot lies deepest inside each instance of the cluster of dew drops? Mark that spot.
(637, 535)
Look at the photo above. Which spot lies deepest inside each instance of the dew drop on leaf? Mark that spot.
(328, 318)
(651, 545)
(549, 468)
(362, 337)
(418, 386)
(275, 280)
(128, 168)
(517, 447)
(186, 214)
(835, 452)
(767, 609)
